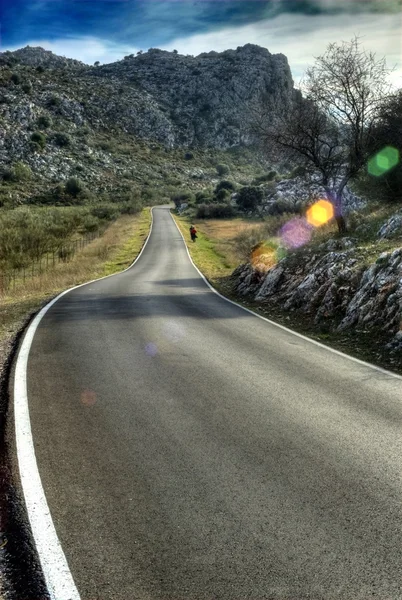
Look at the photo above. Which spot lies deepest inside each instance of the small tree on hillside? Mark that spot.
(329, 130)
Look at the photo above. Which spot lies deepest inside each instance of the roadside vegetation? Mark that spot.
(110, 253)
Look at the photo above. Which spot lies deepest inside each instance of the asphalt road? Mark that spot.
(189, 450)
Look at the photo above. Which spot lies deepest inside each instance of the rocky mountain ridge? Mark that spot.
(180, 101)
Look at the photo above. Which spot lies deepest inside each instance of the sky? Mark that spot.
(108, 30)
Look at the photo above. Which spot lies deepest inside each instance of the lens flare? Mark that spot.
(320, 213)
(88, 398)
(151, 349)
(263, 257)
(296, 233)
(383, 161)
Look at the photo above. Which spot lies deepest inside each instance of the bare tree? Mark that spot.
(329, 129)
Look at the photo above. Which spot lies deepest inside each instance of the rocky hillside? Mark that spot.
(341, 285)
(128, 122)
(180, 101)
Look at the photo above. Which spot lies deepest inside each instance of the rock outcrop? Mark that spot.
(333, 286)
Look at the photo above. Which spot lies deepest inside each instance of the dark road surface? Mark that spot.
(191, 451)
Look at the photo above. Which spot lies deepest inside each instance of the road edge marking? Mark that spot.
(300, 335)
(58, 578)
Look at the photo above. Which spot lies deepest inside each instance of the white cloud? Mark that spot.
(86, 49)
(301, 38)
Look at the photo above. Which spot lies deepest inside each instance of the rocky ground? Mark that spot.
(336, 289)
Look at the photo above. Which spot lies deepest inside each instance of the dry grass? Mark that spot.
(113, 252)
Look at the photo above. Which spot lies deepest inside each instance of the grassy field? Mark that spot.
(216, 256)
(111, 253)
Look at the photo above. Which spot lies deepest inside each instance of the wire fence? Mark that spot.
(47, 262)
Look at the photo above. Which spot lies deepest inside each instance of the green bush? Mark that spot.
(222, 169)
(189, 156)
(39, 138)
(221, 194)
(34, 147)
(267, 177)
(74, 186)
(40, 68)
(44, 121)
(15, 78)
(62, 139)
(106, 212)
(215, 211)
(225, 185)
(54, 101)
(22, 171)
(249, 198)
(27, 87)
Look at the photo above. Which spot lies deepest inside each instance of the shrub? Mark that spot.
(249, 198)
(74, 186)
(215, 211)
(188, 156)
(62, 139)
(221, 194)
(182, 198)
(34, 147)
(15, 78)
(27, 87)
(40, 68)
(267, 177)
(22, 172)
(225, 185)
(44, 121)
(39, 139)
(54, 101)
(106, 212)
(222, 169)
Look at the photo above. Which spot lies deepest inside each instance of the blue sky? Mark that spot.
(107, 30)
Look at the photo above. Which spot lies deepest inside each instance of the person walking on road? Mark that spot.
(193, 233)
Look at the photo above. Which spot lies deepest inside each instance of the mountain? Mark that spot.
(180, 101)
(63, 118)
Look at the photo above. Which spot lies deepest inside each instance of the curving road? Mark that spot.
(189, 450)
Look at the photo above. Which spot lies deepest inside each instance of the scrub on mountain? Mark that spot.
(193, 233)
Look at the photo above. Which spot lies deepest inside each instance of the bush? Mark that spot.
(131, 207)
(44, 121)
(188, 156)
(34, 147)
(215, 211)
(40, 68)
(62, 139)
(22, 171)
(221, 194)
(54, 101)
(39, 138)
(27, 87)
(74, 186)
(249, 198)
(267, 177)
(222, 169)
(182, 198)
(15, 78)
(225, 185)
(106, 212)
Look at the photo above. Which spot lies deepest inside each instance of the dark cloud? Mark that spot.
(149, 23)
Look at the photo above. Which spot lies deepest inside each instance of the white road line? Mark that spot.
(300, 335)
(59, 580)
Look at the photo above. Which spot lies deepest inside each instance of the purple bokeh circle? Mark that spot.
(296, 233)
